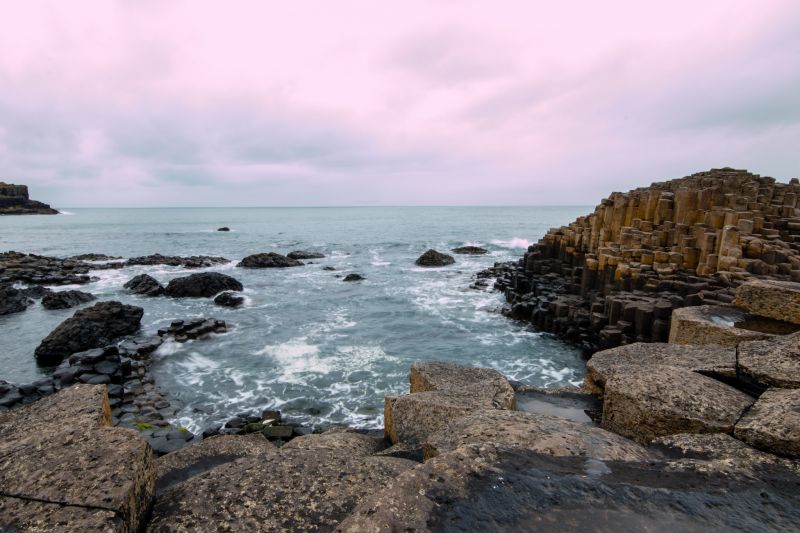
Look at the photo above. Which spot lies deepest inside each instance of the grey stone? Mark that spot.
(773, 423)
(772, 363)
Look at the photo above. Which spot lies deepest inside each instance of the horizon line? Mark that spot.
(313, 206)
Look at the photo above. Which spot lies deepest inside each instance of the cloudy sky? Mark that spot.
(179, 103)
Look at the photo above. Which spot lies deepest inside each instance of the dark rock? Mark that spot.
(229, 299)
(268, 260)
(353, 277)
(195, 261)
(203, 284)
(277, 432)
(94, 257)
(328, 268)
(299, 254)
(432, 258)
(224, 228)
(40, 270)
(35, 291)
(12, 300)
(91, 327)
(66, 299)
(14, 200)
(470, 250)
(145, 285)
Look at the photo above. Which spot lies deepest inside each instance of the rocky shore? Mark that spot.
(14, 200)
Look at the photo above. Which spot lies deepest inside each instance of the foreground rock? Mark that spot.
(199, 328)
(41, 270)
(432, 258)
(772, 363)
(470, 250)
(91, 327)
(12, 300)
(773, 423)
(66, 299)
(144, 285)
(62, 468)
(268, 260)
(202, 285)
(14, 200)
(229, 299)
(494, 488)
(646, 402)
(299, 254)
(771, 298)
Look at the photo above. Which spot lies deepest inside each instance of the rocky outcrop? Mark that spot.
(300, 254)
(14, 200)
(42, 270)
(268, 260)
(194, 261)
(62, 467)
(91, 327)
(229, 299)
(613, 277)
(432, 258)
(144, 285)
(201, 285)
(773, 423)
(12, 300)
(470, 250)
(770, 298)
(66, 299)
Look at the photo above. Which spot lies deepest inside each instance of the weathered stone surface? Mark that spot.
(297, 490)
(470, 250)
(650, 401)
(268, 260)
(17, 514)
(145, 285)
(91, 327)
(432, 258)
(772, 363)
(441, 375)
(773, 423)
(709, 360)
(715, 324)
(194, 261)
(60, 450)
(345, 440)
(180, 465)
(491, 488)
(770, 298)
(202, 285)
(66, 299)
(12, 300)
(544, 434)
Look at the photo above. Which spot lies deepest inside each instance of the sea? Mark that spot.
(321, 350)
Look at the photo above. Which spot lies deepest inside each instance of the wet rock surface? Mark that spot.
(201, 285)
(268, 260)
(41, 270)
(145, 285)
(300, 254)
(12, 300)
(721, 325)
(91, 327)
(194, 261)
(229, 299)
(470, 250)
(354, 277)
(432, 258)
(66, 299)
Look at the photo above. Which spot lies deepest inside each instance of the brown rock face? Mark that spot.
(646, 402)
(772, 363)
(719, 325)
(771, 298)
(773, 423)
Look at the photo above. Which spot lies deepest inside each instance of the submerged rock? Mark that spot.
(354, 277)
(300, 254)
(268, 260)
(145, 285)
(229, 299)
(202, 285)
(66, 299)
(470, 250)
(432, 258)
(91, 327)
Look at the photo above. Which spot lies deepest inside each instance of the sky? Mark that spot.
(442, 102)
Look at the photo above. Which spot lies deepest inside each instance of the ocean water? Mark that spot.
(321, 350)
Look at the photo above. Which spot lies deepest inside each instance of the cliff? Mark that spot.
(14, 200)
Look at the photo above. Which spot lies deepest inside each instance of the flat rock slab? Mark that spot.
(344, 440)
(712, 324)
(29, 515)
(440, 375)
(708, 360)
(294, 490)
(773, 423)
(770, 298)
(651, 401)
(544, 434)
(773, 363)
(491, 488)
(180, 465)
(60, 450)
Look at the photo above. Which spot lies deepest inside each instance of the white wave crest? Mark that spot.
(516, 242)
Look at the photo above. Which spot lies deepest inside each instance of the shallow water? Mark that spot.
(307, 343)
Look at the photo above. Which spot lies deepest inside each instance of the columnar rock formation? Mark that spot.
(614, 276)
(14, 200)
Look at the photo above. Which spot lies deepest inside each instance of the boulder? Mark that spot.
(646, 402)
(346, 440)
(544, 434)
(296, 490)
(771, 363)
(224, 228)
(145, 285)
(61, 454)
(470, 250)
(91, 327)
(202, 285)
(353, 277)
(773, 423)
(268, 260)
(229, 299)
(770, 298)
(709, 360)
(432, 258)
(299, 254)
(66, 299)
(494, 488)
(12, 300)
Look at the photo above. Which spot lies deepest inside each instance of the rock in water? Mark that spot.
(66, 299)
(353, 277)
(268, 260)
(92, 327)
(224, 228)
(432, 258)
(12, 300)
(299, 254)
(470, 250)
(202, 285)
(144, 285)
(229, 299)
